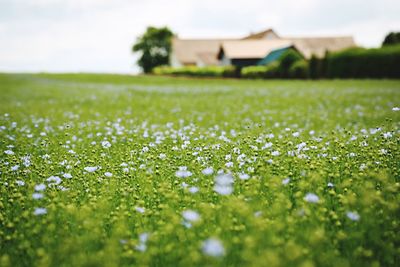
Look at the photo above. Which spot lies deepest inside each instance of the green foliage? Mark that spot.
(286, 60)
(318, 67)
(299, 70)
(313, 168)
(194, 71)
(261, 72)
(254, 72)
(391, 39)
(154, 47)
(365, 63)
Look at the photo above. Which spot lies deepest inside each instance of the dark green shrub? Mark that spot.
(254, 72)
(317, 67)
(261, 72)
(287, 59)
(392, 39)
(273, 71)
(365, 63)
(230, 72)
(299, 70)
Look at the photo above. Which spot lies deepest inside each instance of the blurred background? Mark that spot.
(97, 35)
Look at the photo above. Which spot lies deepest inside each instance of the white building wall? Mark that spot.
(174, 62)
(225, 61)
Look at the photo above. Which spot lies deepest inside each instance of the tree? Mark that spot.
(286, 60)
(155, 48)
(392, 38)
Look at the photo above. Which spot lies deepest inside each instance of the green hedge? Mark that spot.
(194, 71)
(299, 70)
(290, 65)
(254, 72)
(350, 63)
(317, 67)
(287, 60)
(261, 72)
(365, 63)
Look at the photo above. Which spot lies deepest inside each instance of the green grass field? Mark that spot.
(108, 170)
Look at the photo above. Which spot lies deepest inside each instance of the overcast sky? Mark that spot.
(97, 35)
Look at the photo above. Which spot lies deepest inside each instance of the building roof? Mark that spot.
(257, 45)
(189, 51)
(241, 49)
(208, 58)
(261, 35)
(319, 45)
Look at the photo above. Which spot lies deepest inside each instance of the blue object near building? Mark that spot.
(273, 56)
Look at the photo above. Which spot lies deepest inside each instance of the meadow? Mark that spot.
(113, 170)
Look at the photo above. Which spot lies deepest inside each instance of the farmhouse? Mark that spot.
(255, 49)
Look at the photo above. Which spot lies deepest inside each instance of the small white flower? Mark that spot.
(20, 182)
(352, 215)
(311, 198)
(9, 152)
(244, 176)
(26, 161)
(54, 180)
(40, 187)
(208, 171)
(224, 179)
(142, 242)
(40, 211)
(275, 153)
(387, 135)
(67, 175)
(362, 167)
(143, 237)
(62, 188)
(162, 156)
(213, 247)
(296, 134)
(330, 185)
(190, 215)
(229, 164)
(15, 168)
(187, 224)
(193, 189)
(395, 108)
(285, 181)
(105, 144)
(267, 145)
(183, 172)
(258, 213)
(141, 247)
(91, 169)
(37, 195)
(140, 209)
(224, 184)
(108, 174)
(223, 189)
